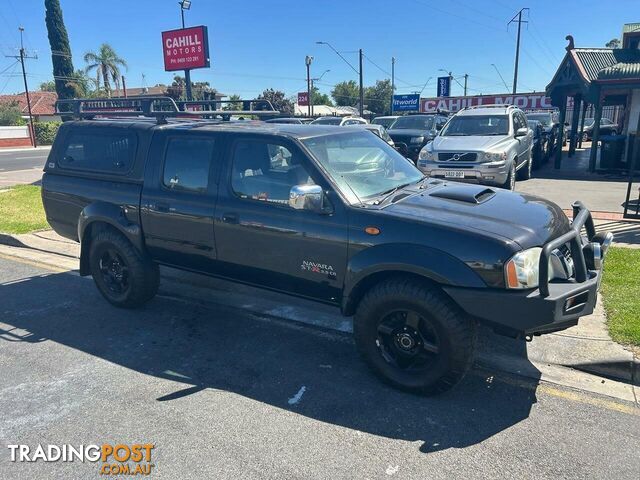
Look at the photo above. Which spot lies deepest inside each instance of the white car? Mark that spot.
(333, 120)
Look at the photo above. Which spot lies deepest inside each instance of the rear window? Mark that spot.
(100, 151)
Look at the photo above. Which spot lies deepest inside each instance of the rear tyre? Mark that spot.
(123, 276)
(413, 336)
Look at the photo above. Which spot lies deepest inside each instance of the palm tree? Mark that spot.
(106, 63)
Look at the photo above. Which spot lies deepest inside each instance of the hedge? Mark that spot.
(46, 132)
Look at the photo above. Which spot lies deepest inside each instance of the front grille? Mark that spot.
(457, 157)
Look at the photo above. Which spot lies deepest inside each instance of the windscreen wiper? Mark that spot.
(390, 192)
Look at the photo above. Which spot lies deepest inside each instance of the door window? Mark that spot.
(266, 171)
(186, 164)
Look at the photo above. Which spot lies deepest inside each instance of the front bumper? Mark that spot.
(517, 312)
(489, 173)
(554, 305)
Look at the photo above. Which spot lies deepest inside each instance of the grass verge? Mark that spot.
(21, 210)
(621, 294)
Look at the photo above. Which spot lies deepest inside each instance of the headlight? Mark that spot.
(522, 270)
(426, 154)
(495, 156)
(416, 140)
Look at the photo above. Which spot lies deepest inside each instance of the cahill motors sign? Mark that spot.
(524, 101)
(185, 48)
(406, 103)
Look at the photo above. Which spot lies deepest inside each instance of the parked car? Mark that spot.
(412, 132)
(330, 214)
(378, 130)
(333, 120)
(539, 150)
(385, 121)
(607, 127)
(551, 128)
(488, 144)
(287, 120)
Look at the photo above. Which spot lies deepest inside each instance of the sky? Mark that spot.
(259, 44)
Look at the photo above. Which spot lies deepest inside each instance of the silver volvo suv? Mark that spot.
(487, 144)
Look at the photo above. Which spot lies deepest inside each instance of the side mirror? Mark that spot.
(439, 127)
(522, 132)
(308, 197)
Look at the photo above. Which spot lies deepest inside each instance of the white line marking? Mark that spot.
(296, 398)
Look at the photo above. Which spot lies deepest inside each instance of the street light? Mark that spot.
(359, 72)
(501, 78)
(313, 88)
(308, 59)
(186, 5)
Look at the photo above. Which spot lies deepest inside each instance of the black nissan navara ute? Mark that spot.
(326, 213)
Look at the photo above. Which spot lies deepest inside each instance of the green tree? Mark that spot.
(377, 98)
(233, 104)
(318, 98)
(107, 64)
(83, 85)
(10, 114)
(278, 99)
(613, 43)
(346, 94)
(199, 90)
(48, 86)
(60, 50)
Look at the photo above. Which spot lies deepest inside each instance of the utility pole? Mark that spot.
(393, 81)
(361, 87)
(308, 59)
(186, 5)
(21, 58)
(466, 77)
(520, 22)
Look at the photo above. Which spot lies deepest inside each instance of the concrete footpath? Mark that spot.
(583, 357)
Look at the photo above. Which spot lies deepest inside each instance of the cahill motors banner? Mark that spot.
(524, 101)
(185, 48)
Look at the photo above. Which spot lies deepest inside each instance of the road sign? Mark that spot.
(303, 99)
(444, 86)
(185, 48)
(406, 103)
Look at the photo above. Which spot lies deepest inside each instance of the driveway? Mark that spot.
(225, 393)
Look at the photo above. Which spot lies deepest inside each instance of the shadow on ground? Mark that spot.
(267, 360)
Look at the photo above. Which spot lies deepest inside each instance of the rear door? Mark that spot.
(179, 197)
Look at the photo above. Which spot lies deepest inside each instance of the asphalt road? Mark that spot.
(223, 393)
(22, 160)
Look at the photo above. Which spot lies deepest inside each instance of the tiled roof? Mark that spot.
(621, 71)
(596, 60)
(42, 103)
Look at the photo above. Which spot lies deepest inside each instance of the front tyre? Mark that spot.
(123, 276)
(413, 336)
(510, 182)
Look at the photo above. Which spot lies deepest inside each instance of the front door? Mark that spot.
(263, 241)
(178, 200)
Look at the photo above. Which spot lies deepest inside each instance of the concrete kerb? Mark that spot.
(583, 358)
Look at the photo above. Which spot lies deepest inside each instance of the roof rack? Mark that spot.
(159, 108)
